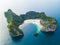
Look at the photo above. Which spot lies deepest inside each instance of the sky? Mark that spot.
(22, 6)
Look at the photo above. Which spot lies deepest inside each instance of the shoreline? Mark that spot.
(34, 21)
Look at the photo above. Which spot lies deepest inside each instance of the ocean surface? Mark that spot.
(50, 7)
(30, 39)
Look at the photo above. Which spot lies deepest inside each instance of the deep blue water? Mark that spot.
(41, 39)
(30, 39)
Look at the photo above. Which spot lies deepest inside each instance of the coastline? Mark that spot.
(34, 21)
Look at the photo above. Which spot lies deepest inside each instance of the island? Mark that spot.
(47, 24)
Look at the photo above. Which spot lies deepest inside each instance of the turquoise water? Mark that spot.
(30, 39)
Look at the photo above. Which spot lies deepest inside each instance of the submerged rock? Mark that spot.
(35, 34)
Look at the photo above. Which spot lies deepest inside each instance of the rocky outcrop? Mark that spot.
(49, 27)
(49, 23)
(13, 23)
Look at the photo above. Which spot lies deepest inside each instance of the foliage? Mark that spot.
(15, 20)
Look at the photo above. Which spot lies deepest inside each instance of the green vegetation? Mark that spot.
(50, 20)
(47, 19)
(14, 20)
(12, 27)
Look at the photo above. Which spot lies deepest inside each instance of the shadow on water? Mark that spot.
(48, 33)
(17, 39)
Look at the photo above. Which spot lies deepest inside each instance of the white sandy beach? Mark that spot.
(34, 21)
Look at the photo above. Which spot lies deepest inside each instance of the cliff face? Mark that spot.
(18, 20)
(12, 17)
(15, 20)
(13, 23)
